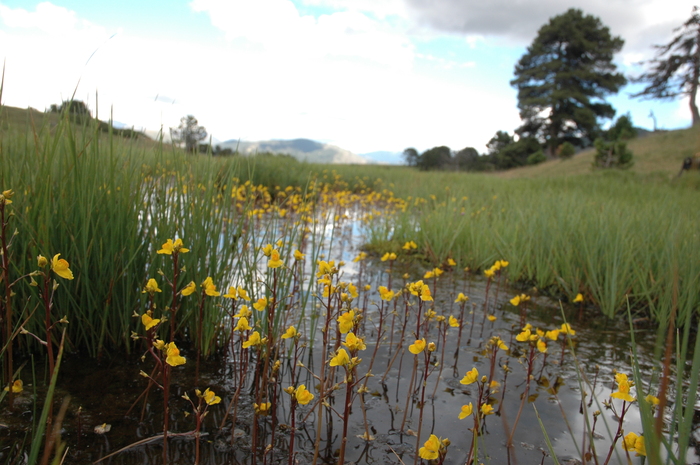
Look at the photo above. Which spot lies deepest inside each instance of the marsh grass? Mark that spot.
(106, 203)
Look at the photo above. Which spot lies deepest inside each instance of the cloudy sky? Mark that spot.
(366, 75)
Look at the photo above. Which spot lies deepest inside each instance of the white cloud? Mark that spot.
(352, 77)
(282, 31)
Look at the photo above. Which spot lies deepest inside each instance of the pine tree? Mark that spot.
(563, 80)
(675, 71)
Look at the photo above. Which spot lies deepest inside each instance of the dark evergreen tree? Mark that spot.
(563, 79)
(675, 71)
(499, 141)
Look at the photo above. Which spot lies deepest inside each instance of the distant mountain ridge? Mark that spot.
(301, 149)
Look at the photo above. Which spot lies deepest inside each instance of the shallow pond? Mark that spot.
(107, 391)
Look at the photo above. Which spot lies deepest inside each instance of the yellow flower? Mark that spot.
(298, 255)
(653, 400)
(417, 347)
(430, 449)
(6, 196)
(17, 387)
(302, 395)
(629, 441)
(242, 325)
(346, 321)
(498, 342)
(471, 377)
(290, 333)
(253, 340)
(425, 295)
(578, 298)
(210, 288)
(466, 411)
(325, 268)
(489, 273)
(524, 336)
(541, 345)
(41, 261)
(461, 298)
(60, 267)
(189, 289)
(361, 256)
(486, 409)
(492, 317)
(634, 443)
(243, 294)
(552, 335)
(210, 397)
(231, 294)
(451, 262)
(503, 263)
(262, 409)
(566, 329)
(389, 256)
(171, 247)
(159, 344)
(385, 294)
(428, 275)
(341, 358)
(173, 355)
(410, 245)
(267, 250)
(274, 261)
(353, 342)
(518, 299)
(148, 321)
(454, 322)
(151, 287)
(261, 304)
(623, 388)
(243, 312)
(352, 289)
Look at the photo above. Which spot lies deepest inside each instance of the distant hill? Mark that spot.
(301, 149)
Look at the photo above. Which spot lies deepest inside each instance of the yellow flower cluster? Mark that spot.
(433, 448)
(497, 266)
(301, 394)
(171, 247)
(208, 396)
(623, 388)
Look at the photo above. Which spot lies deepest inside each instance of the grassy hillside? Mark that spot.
(658, 154)
(24, 121)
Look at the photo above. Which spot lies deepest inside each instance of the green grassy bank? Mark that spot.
(106, 203)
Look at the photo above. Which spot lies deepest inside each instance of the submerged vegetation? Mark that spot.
(181, 260)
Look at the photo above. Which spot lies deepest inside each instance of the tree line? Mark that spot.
(562, 81)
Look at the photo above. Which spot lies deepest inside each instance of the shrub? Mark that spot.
(566, 150)
(537, 157)
(612, 154)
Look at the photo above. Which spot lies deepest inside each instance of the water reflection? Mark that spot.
(107, 392)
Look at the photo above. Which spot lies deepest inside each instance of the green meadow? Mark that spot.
(627, 241)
